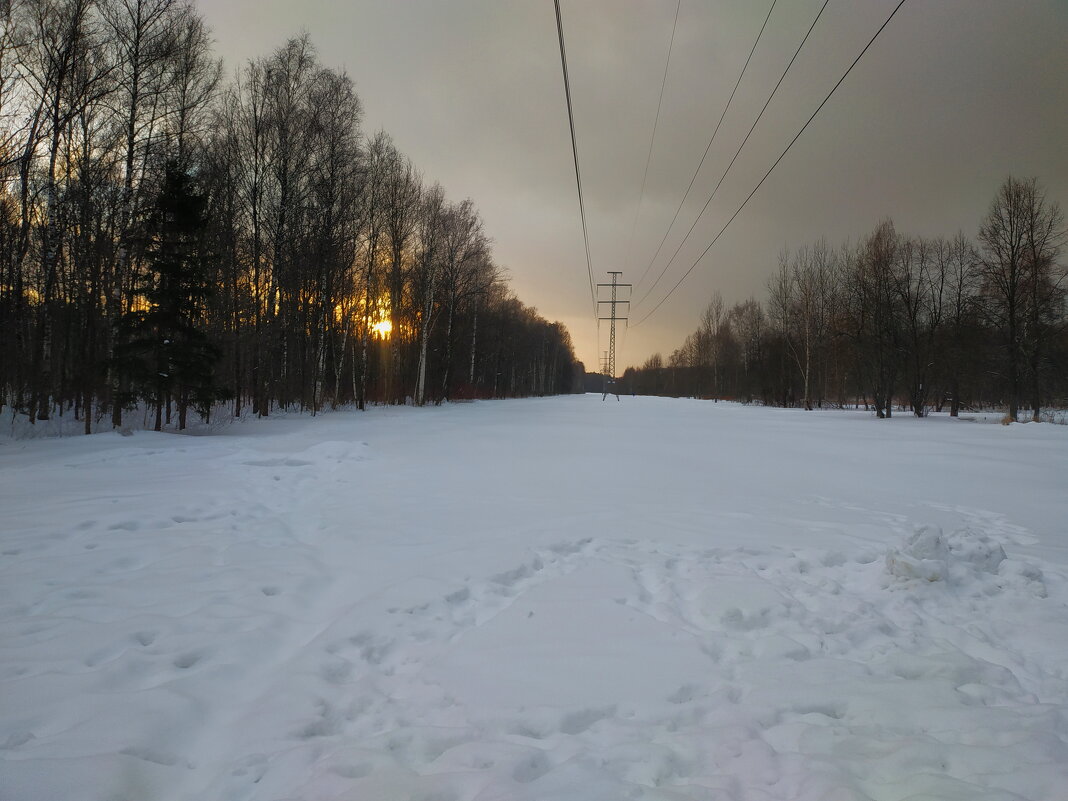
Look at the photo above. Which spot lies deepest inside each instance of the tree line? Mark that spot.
(172, 239)
(895, 319)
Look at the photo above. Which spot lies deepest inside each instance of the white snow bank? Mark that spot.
(484, 602)
(970, 560)
(930, 555)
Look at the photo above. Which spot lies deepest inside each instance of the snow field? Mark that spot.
(544, 599)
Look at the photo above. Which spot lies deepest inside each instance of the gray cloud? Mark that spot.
(954, 96)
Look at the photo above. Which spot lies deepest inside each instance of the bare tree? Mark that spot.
(194, 79)
(873, 316)
(314, 241)
(919, 275)
(708, 340)
(430, 233)
(333, 230)
(141, 38)
(1021, 237)
(466, 273)
(958, 260)
(402, 194)
(64, 33)
(1044, 238)
(374, 196)
(749, 322)
(801, 295)
(923, 315)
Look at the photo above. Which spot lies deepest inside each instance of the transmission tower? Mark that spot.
(613, 301)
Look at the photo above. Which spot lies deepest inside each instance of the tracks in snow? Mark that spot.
(799, 655)
(383, 719)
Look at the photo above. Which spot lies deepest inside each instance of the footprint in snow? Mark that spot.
(580, 721)
(530, 730)
(338, 671)
(832, 710)
(253, 767)
(124, 563)
(188, 659)
(512, 577)
(353, 771)
(684, 695)
(16, 740)
(532, 768)
(571, 548)
(151, 755)
(282, 462)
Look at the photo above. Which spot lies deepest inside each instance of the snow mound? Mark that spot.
(976, 550)
(1023, 576)
(932, 556)
(925, 555)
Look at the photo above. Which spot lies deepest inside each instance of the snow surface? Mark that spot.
(546, 599)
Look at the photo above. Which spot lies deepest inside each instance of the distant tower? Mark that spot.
(610, 360)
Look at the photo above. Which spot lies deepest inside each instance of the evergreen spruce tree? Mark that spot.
(163, 352)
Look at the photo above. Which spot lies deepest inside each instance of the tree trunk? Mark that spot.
(474, 339)
(1014, 368)
(447, 372)
(361, 400)
(1036, 390)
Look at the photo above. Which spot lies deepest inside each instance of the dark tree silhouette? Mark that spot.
(164, 352)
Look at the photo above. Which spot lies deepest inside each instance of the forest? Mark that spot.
(895, 320)
(176, 241)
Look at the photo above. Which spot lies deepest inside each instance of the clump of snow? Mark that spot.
(1024, 576)
(930, 555)
(976, 551)
(924, 555)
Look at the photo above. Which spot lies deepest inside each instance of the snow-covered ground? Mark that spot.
(545, 599)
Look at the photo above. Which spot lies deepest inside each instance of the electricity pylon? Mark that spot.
(613, 301)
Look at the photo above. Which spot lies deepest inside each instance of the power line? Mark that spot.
(652, 139)
(574, 149)
(776, 164)
(700, 214)
(708, 146)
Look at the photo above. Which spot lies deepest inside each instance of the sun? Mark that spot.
(382, 330)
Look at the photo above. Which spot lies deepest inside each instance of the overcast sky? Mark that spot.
(953, 96)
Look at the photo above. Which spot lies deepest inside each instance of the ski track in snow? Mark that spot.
(238, 643)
